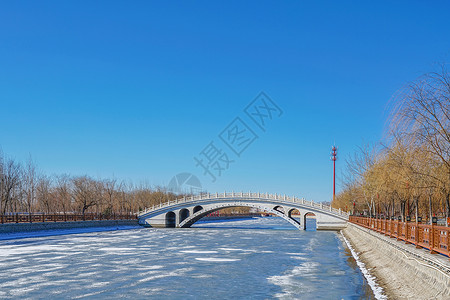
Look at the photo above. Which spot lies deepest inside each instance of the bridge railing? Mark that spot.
(432, 237)
(252, 195)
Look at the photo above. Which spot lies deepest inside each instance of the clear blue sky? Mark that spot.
(136, 89)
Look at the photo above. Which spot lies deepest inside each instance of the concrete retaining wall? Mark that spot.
(402, 274)
(29, 227)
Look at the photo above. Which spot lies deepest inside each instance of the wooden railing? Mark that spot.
(36, 218)
(432, 237)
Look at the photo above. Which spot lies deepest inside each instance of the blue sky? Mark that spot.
(136, 89)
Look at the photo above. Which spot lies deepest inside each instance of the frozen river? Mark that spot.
(257, 258)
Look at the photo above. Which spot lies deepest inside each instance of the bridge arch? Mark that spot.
(204, 212)
(197, 209)
(307, 226)
(171, 219)
(295, 215)
(183, 214)
(279, 208)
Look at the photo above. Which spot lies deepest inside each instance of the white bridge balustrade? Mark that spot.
(183, 212)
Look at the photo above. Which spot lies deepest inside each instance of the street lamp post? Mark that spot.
(333, 158)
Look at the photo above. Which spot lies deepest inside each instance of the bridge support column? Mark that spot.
(177, 218)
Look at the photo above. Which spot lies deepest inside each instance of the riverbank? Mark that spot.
(8, 231)
(401, 270)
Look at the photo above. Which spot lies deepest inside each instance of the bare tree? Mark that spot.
(63, 192)
(44, 194)
(30, 185)
(110, 187)
(84, 193)
(10, 173)
(422, 113)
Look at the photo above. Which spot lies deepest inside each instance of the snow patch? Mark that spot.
(216, 259)
(115, 249)
(377, 290)
(199, 251)
(236, 249)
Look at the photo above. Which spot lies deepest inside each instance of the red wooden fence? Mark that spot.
(432, 237)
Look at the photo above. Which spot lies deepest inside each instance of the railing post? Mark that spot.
(388, 227)
(417, 239)
(448, 242)
(432, 238)
(406, 231)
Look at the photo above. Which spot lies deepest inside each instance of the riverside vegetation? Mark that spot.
(23, 189)
(407, 174)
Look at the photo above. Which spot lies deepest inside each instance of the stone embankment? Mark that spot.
(30, 227)
(403, 271)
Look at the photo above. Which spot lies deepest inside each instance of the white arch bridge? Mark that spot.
(186, 211)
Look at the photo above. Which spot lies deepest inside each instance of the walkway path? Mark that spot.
(404, 271)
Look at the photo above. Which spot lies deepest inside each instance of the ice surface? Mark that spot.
(216, 260)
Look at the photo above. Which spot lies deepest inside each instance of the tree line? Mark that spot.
(23, 189)
(407, 174)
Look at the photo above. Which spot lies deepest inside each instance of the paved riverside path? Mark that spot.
(403, 271)
(437, 260)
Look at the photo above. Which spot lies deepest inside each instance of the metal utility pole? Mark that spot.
(333, 158)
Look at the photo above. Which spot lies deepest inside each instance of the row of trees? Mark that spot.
(408, 173)
(23, 189)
